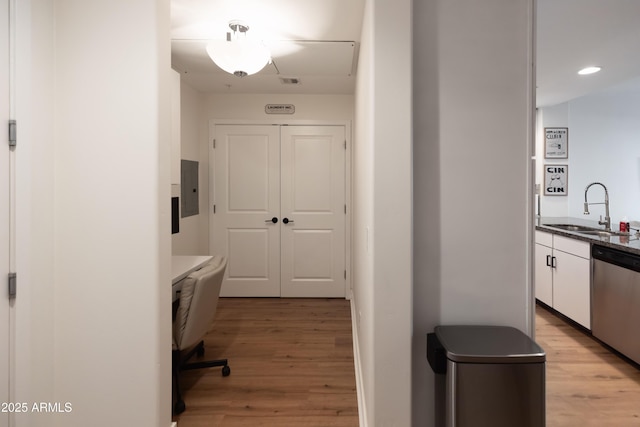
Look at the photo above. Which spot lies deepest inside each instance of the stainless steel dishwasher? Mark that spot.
(616, 300)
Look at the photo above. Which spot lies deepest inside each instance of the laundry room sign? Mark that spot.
(279, 109)
(555, 180)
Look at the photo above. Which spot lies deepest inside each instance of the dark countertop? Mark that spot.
(630, 243)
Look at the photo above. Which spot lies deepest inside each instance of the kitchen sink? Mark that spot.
(583, 229)
(603, 233)
(572, 227)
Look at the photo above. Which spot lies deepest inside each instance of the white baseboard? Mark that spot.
(362, 412)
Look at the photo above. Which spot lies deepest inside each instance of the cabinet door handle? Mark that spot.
(548, 260)
(554, 264)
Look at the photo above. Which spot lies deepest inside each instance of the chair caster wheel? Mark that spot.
(226, 370)
(179, 407)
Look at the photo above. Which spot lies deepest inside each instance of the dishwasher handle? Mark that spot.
(613, 256)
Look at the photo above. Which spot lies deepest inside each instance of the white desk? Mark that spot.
(182, 265)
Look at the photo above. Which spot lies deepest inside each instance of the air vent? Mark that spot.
(289, 80)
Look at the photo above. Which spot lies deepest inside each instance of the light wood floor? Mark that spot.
(587, 384)
(291, 366)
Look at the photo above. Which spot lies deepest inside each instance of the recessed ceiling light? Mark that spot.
(589, 70)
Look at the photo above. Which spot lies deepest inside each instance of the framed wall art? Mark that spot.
(556, 143)
(555, 180)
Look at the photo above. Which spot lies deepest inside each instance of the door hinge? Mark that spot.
(345, 274)
(345, 208)
(214, 209)
(214, 144)
(345, 144)
(13, 282)
(13, 133)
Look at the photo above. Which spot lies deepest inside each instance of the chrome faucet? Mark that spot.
(607, 218)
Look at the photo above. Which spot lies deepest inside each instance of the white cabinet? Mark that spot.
(562, 269)
(544, 273)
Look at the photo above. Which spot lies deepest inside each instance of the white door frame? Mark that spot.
(7, 202)
(292, 122)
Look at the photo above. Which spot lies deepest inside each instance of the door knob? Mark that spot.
(287, 221)
(273, 220)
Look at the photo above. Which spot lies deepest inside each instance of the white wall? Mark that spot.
(34, 311)
(382, 212)
(93, 321)
(251, 107)
(200, 110)
(604, 146)
(363, 193)
(193, 236)
(473, 140)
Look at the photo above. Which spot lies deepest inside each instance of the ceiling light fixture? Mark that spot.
(589, 70)
(239, 55)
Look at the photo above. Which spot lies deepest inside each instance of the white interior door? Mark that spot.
(313, 210)
(294, 175)
(246, 198)
(4, 208)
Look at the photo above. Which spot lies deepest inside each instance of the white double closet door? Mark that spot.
(279, 196)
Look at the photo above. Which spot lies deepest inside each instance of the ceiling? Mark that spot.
(316, 42)
(312, 41)
(573, 34)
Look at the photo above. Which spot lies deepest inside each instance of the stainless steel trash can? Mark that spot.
(491, 376)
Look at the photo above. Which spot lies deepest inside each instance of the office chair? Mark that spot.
(196, 310)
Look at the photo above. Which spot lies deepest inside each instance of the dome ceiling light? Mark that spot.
(239, 55)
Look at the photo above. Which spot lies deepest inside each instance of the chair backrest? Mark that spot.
(198, 302)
